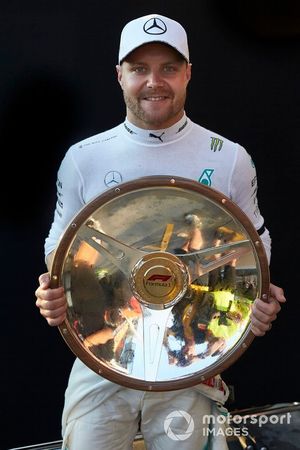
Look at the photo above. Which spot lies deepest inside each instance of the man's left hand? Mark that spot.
(265, 312)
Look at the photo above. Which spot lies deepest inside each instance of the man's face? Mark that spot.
(154, 79)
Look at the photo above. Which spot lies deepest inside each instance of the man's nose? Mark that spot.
(155, 80)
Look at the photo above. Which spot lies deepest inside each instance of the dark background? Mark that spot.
(57, 86)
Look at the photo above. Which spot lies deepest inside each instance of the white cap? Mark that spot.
(153, 28)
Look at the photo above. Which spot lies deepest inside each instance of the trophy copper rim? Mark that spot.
(149, 293)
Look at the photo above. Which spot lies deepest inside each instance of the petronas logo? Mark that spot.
(205, 177)
(216, 144)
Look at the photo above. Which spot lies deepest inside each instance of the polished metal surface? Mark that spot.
(160, 274)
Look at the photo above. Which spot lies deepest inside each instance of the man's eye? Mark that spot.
(170, 69)
(139, 69)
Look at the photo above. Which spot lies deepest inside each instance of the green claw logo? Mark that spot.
(216, 144)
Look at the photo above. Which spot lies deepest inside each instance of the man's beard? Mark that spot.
(153, 119)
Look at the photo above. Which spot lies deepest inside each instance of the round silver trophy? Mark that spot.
(160, 274)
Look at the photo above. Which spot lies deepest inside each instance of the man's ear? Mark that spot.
(189, 72)
(119, 74)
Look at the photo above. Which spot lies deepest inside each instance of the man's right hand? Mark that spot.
(51, 302)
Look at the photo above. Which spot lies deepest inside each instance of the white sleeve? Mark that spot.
(69, 199)
(243, 191)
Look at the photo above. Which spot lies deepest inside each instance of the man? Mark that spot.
(156, 138)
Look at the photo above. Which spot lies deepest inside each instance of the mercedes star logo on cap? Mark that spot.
(155, 26)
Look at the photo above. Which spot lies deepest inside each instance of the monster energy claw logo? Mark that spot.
(216, 144)
(205, 177)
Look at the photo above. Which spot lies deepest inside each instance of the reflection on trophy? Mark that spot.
(160, 275)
